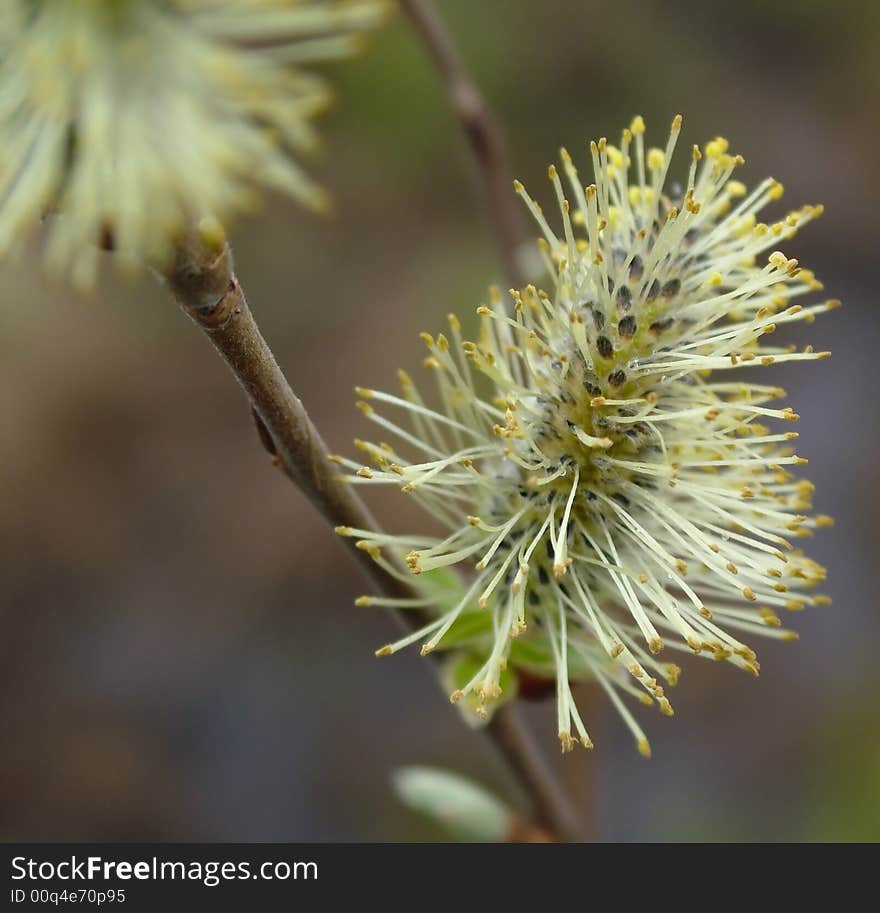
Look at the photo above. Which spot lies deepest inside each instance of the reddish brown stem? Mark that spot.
(483, 134)
(205, 285)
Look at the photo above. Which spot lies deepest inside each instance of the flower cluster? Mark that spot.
(128, 120)
(614, 495)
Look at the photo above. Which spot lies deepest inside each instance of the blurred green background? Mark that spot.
(181, 658)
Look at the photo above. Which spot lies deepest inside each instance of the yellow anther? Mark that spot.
(656, 159)
(778, 259)
(770, 618)
(717, 147)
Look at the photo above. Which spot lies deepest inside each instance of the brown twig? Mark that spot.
(204, 283)
(552, 807)
(483, 134)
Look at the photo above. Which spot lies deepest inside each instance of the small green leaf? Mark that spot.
(466, 810)
(537, 656)
(442, 584)
(446, 588)
(532, 655)
(468, 626)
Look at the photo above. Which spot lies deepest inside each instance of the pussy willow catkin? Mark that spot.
(614, 485)
(124, 122)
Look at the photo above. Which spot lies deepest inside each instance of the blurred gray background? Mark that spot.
(179, 665)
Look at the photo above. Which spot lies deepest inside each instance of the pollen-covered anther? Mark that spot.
(370, 548)
(769, 617)
(560, 568)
